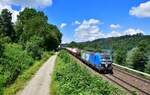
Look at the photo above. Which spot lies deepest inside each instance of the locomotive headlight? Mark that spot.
(106, 65)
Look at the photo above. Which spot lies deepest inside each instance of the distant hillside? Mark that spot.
(123, 42)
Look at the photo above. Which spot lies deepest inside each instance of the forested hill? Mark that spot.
(123, 42)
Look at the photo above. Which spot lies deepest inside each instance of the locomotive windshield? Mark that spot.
(106, 57)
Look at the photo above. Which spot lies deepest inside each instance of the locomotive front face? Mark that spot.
(106, 60)
(106, 64)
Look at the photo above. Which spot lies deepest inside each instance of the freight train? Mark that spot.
(101, 61)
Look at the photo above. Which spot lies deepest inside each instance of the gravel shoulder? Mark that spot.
(39, 84)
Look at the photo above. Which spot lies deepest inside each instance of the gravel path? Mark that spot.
(39, 84)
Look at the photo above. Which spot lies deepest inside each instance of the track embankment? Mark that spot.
(133, 84)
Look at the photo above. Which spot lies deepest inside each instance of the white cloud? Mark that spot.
(14, 12)
(14, 15)
(115, 26)
(23, 3)
(88, 30)
(64, 41)
(113, 34)
(63, 25)
(143, 10)
(91, 22)
(28, 3)
(77, 22)
(130, 31)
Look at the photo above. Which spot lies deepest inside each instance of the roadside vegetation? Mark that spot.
(22, 45)
(22, 79)
(130, 50)
(69, 78)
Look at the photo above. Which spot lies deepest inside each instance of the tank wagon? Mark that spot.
(101, 61)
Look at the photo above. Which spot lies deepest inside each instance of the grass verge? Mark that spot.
(23, 78)
(69, 78)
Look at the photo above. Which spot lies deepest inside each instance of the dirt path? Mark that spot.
(39, 84)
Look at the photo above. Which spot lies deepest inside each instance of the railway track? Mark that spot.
(131, 83)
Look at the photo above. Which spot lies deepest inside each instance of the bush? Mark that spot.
(34, 48)
(3, 41)
(147, 68)
(1, 47)
(69, 78)
(120, 56)
(139, 60)
(129, 58)
(13, 62)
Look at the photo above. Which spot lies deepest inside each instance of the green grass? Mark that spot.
(23, 79)
(69, 78)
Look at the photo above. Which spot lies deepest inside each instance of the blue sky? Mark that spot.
(83, 20)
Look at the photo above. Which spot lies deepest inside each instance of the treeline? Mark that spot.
(23, 42)
(129, 50)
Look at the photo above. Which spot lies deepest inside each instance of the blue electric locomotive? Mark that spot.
(101, 61)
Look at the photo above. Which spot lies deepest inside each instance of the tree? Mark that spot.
(52, 37)
(1, 47)
(139, 60)
(147, 67)
(129, 58)
(3, 41)
(143, 46)
(120, 56)
(73, 44)
(34, 47)
(139, 57)
(29, 23)
(14, 61)
(6, 26)
(33, 23)
(29, 13)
